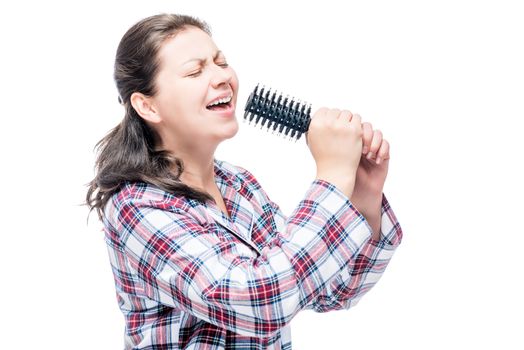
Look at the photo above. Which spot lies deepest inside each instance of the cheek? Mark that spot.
(194, 94)
(234, 79)
(185, 98)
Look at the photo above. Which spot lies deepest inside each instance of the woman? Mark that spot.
(202, 258)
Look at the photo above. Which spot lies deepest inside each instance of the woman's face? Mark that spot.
(193, 76)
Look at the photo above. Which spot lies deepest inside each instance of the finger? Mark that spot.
(345, 115)
(356, 124)
(383, 152)
(318, 117)
(367, 136)
(356, 119)
(375, 144)
(333, 114)
(320, 113)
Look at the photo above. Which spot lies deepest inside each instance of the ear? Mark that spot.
(145, 108)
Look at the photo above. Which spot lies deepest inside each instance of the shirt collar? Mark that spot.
(225, 177)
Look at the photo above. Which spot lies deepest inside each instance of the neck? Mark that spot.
(198, 170)
(198, 161)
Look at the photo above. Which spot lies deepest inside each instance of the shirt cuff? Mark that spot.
(390, 230)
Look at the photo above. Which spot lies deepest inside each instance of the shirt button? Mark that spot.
(237, 186)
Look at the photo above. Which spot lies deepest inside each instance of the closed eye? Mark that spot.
(222, 64)
(195, 74)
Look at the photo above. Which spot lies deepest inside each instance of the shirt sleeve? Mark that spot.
(363, 271)
(183, 264)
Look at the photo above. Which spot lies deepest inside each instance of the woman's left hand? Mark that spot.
(371, 173)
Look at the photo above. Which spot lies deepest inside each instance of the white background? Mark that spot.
(443, 80)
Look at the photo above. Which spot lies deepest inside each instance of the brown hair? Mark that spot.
(127, 153)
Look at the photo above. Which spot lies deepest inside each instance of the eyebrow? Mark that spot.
(202, 60)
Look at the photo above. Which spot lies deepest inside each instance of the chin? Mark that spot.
(228, 131)
(232, 129)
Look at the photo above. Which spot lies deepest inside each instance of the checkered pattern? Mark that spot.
(189, 277)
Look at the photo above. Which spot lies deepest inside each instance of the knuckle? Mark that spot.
(319, 112)
(347, 112)
(335, 112)
(357, 130)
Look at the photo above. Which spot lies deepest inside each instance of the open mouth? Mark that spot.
(220, 104)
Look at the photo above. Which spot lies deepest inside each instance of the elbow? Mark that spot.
(259, 311)
(274, 316)
(268, 328)
(263, 328)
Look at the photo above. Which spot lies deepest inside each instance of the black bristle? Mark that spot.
(289, 117)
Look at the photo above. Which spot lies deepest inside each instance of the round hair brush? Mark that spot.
(282, 113)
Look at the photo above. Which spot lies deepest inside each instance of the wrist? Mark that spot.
(369, 205)
(373, 215)
(344, 183)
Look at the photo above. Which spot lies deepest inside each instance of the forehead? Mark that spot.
(187, 44)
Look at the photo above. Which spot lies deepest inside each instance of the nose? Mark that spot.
(221, 76)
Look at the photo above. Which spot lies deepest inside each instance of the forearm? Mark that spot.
(373, 218)
(371, 208)
(364, 271)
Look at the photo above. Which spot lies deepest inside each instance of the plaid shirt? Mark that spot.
(189, 277)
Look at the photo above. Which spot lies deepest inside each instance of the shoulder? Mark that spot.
(140, 192)
(134, 199)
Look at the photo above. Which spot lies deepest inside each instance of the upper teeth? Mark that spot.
(222, 100)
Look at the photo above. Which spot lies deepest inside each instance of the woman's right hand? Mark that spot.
(335, 141)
